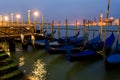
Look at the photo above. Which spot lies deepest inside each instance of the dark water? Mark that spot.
(58, 68)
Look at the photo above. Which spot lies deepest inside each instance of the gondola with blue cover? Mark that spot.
(109, 42)
(41, 43)
(75, 41)
(89, 53)
(112, 61)
(117, 49)
(61, 49)
(49, 34)
(94, 44)
(62, 40)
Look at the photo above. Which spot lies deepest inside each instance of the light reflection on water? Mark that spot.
(21, 61)
(39, 71)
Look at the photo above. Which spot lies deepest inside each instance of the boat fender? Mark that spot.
(33, 40)
(22, 38)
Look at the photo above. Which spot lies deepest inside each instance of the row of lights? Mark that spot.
(17, 16)
(6, 18)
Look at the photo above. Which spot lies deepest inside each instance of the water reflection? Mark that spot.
(21, 61)
(39, 71)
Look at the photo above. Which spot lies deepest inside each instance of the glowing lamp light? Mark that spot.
(6, 18)
(36, 13)
(18, 16)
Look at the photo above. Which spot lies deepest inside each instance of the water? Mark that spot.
(58, 68)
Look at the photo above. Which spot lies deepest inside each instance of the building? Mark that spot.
(115, 22)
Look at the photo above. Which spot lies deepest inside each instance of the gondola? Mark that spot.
(41, 43)
(62, 40)
(49, 34)
(94, 44)
(117, 49)
(74, 41)
(62, 49)
(112, 61)
(89, 53)
(108, 43)
(77, 42)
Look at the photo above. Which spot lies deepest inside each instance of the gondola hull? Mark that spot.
(89, 54)
(112, 61)
(85, 55)
(94, 44)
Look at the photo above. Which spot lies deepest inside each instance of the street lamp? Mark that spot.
(35, 14)
(29, 18)
(1, 20)
(12, 18)
(18, 16)
(6, 18)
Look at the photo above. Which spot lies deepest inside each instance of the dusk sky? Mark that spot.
(61, 9)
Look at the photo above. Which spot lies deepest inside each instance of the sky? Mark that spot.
(59, 10)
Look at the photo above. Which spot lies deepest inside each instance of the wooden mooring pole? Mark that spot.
(24, 45)
(11, 43)
(59, 29)
(42, 27)
(83, 27)
(76, 27)
(119, 25)
(52, 29)
(47, 27)
(66, 22)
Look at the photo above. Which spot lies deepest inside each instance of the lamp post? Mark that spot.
(6, 18)
(18, 16)
(1, 20)
(29, 18)
(35, 14)
(42, 27)
(12, 19)
(101, 23)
